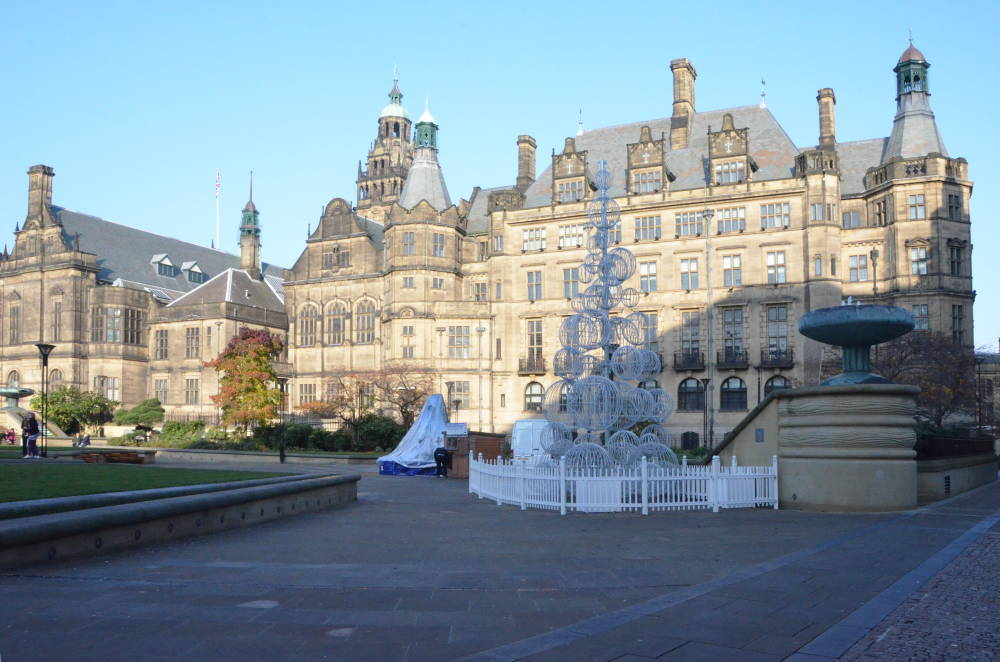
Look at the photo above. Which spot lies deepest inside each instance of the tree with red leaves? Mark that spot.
(248, 386)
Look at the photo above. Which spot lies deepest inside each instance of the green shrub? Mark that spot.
(204, 444)
(375, 431)
(175, 431)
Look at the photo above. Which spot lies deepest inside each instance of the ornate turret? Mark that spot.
(426, 128)
(914, 131)
(39, 197)
(250, 237)
(389, 159)
(425, 180)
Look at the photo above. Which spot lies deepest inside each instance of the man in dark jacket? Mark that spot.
(441, 462)
(29, 429)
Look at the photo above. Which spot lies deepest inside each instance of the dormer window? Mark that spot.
(730, 172)
(649, 181)
(194, 272)
(164, 267)
(571, 191)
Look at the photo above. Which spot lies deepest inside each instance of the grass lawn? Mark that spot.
(42, 479)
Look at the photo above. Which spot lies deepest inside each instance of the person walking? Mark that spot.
(30, 431)
(11, 436)
(441, 462)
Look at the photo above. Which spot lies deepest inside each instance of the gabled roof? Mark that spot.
(425, 182)
(478, 221)
(236, 286)
(131, 254)
(770, 147)
(855, 158)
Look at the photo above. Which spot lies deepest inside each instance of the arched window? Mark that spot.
(336, 323)
(690, 395)
(776, 383)
(689, 440)
(733, 395)
(533, 397)
(13, 378)
(308, 325)
(917, 85)
(55, 379)
(906, 85)
(395, 130)
(364, 323)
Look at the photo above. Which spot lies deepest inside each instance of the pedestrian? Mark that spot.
(85, 441)
(11, 436)
(441, 462)
(29, 430)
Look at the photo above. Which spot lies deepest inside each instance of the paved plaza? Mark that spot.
(418, 569)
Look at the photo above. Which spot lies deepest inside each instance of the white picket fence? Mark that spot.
(554, 486)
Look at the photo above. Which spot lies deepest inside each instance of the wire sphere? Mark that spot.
(620, 452)
(588, 455)
(566, 363)
(598, 241)
(556, 439)
(620, 264)
(603, 177)
(664, 403)
(626, 417)
(629, 297)
(624, 437)
(639, 405)
(650, 364)
(554, 402)
(603, 213)
(580, 332)
(627, 362)
(624, 331)
(658, 453)
(659, 432)
(593, 403)
(593, 366)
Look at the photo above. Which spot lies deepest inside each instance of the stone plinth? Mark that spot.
(847, 448)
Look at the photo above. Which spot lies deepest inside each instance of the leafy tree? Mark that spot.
(146, 413)
(248, 386)
(71, 409)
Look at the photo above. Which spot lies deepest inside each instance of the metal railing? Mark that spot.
(777, 358)
(733, 358)
(533, 365)
(689, 360)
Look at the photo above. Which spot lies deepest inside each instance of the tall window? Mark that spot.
(958, 324)
(570, 191)
(56, 321)
(833, 265)
(688, 224)
(458, 395)
(882, 212)
(533, 239)
(534, 285)
(192, 391)
(106, 324)
(647, 276)
(407, 351)
(14, 329)
(109, 387)
(498, 243)
(570, 236)
(615, 233)
(954, 207)
(921, 317)
(776, 267)
(733, 395)
(336, 323)
(851, 219)
(689, 273)
(55, 379)
(918, 260)
(730, 173)
(817, 266)
(408, 283)
(732, 331)
(918, 207)
(533, 394)
(690, 332)
(307, 394)
(646, 182)
(308, 325)
(192, 342)
(956, 255)
(776, 383)
(775, 215)
(647, 227)
(858, 266)
(409, 243)
(648, 332)
(690, 395)
(733, 219)
(365, 323)
(96, 324)
(438, 245)
(437, 283)
(732, 270)
(133, 326)
(458, 342)
(343, 258)
(822, 212)
(534, 340)
(571, 282)
(777, 330)
(162, 344)
(160, 388)
(480, 291)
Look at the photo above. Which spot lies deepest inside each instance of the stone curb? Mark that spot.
(37, 507)
(44, 528)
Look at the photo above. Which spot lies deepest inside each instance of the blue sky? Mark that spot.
(136, 105)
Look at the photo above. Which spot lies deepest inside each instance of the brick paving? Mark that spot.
(955, 616)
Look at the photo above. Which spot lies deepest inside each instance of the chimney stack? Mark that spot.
(680, 123)
(40, 195)
(525, 162)
(827, 118)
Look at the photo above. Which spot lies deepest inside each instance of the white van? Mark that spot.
(526, 439)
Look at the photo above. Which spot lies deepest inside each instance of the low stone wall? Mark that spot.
(198, 455)
(80, 533)
(941, 478)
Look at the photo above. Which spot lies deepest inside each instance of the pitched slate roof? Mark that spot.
(478, 221)
(425, 182)
(237, 286)
(771, 148)
(855, 158)
(125, 253)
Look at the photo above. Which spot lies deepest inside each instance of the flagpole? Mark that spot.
(218, 182)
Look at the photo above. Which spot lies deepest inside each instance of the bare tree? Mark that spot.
(348, 398)
(403, 388)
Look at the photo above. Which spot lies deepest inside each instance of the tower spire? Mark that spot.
(250, 237)
(579, 123)
(763, 93)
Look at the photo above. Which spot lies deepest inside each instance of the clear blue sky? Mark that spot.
(136, 105)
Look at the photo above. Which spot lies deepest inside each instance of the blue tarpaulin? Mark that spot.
(414, 456)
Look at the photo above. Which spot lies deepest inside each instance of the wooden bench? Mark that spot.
(115, 455)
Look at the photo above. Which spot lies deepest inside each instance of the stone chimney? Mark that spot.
(827, 118)
(525, 162)
(680, 122)
(40, 195)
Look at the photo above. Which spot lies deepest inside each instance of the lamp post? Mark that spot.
(45, 349)
(873, 254)
(479, 371)
(707, 216)
(705, 381)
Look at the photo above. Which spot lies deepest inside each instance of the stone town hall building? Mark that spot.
(736, 230)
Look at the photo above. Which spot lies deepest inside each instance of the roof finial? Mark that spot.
(251, 186)
(763, 93)
(395, 75)
(579, 130)
(911, 36)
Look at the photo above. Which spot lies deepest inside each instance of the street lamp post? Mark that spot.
(705, 381)
(45, 349)
(707, 216)
(479, 371)
(873, 254)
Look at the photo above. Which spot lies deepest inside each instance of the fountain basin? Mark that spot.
(856, 325)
